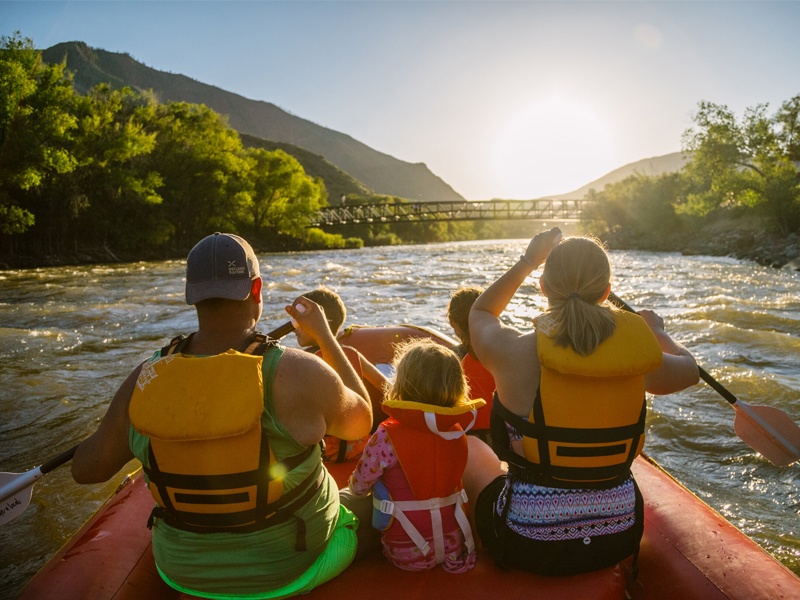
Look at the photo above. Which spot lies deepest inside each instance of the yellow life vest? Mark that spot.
(211, 467)
(587, 421)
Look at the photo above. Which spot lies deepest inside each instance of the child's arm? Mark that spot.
(378, 456)
(372, 374)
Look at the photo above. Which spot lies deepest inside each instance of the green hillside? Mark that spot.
(378, 171)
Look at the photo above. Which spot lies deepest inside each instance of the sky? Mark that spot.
(514, 100)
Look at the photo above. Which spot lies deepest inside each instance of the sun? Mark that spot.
(551, 147)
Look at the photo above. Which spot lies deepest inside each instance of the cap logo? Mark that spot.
(233, 269)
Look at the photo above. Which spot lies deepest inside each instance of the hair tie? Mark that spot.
(574, 295)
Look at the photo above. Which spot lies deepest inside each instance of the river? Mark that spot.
(69, 336)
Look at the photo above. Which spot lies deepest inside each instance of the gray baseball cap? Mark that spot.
(221, 265)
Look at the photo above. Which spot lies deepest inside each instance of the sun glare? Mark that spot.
(551, 148)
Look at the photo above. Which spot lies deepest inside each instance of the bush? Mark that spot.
(316, 239)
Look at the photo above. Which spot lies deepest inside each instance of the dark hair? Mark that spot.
(332, 304)
(458, 312)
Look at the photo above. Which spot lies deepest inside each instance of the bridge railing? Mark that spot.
(541, 209)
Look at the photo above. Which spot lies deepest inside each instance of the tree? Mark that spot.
(112, 182)
(787, 121)
(36, 120)
(280, 198)
(639, 207)
(200, 161)
(744, 164)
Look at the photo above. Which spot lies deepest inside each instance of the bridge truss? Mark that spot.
(542, 209)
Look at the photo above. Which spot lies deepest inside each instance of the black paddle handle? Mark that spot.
(281, 331)
(704, 375)
(59, 460)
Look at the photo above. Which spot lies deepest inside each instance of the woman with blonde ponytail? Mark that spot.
(568, 417)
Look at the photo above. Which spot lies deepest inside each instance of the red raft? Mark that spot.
(688, 551)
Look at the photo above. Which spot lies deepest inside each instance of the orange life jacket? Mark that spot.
(431, 447)
(481, 385)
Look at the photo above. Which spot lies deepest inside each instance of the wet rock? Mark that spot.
(793, 265)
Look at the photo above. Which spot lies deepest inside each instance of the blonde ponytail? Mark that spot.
(575, 279)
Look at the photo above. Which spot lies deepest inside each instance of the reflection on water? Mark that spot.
(68, 336)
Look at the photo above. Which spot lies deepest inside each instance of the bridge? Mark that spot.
(543, 209)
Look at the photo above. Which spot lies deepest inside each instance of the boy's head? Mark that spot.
(458, 312)
(430, 373)
(333, 306)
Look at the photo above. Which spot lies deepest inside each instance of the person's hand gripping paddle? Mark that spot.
(767, 430)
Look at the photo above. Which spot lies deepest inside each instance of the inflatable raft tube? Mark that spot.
(688, 550)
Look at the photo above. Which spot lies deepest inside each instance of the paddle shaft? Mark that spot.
(281, 331)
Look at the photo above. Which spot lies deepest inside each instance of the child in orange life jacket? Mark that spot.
(337, 450)
(480, 380)
(414, 462)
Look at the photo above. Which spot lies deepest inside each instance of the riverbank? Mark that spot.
(745, 239)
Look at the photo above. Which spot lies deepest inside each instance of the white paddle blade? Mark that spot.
(15, 503)
(769, 431)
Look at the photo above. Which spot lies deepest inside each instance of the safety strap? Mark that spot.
(434, 505)
(256, 344)
(430, 421)
(284, 511)
(545, 473)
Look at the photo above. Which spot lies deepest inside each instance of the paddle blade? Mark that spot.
(769, 431)
(14, 504)
(16, 488)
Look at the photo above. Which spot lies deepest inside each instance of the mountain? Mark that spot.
(382, 173)
(658, 165)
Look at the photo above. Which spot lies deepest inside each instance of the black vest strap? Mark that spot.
(257, 343)
(219, 482)
(249, 521)
(176, 344)
(547, 474)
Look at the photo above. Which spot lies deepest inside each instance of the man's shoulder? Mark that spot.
(301, 361)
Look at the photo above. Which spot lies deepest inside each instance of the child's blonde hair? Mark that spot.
(574, 279)
(428, 372)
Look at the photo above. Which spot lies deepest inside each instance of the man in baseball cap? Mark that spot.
(200, 416)
(221, 265)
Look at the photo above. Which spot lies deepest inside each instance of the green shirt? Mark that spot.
(249, 563)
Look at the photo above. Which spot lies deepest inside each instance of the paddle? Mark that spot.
(16, 488)
(767, 430)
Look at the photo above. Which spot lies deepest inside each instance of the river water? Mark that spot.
(69, 336)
